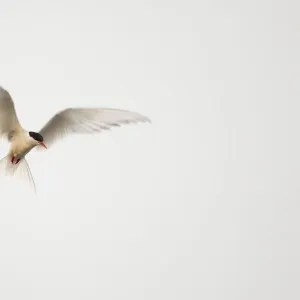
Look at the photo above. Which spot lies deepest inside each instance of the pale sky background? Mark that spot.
(201, 204)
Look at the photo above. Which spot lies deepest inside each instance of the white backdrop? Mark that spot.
(201, 204)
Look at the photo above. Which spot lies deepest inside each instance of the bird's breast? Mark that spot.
(20, 148)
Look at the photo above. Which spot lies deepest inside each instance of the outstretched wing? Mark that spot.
(9, 123)
(86, 120)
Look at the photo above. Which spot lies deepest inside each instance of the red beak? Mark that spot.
(42, 144)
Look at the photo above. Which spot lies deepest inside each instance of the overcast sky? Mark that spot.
(201, 204)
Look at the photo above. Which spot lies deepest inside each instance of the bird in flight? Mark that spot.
(63, 123)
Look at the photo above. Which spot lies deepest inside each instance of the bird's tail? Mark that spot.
(20, 170)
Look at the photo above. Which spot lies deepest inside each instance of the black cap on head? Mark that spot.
(36, 136)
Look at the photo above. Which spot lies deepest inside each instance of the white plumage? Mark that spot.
(86, 120)
(65, 122)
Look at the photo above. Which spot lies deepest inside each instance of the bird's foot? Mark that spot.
(13, 159)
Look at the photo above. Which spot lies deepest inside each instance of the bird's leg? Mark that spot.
(18, 160)
(12, 159)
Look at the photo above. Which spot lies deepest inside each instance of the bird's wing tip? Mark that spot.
(144, 119)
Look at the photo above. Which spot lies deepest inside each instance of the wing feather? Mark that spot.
(86, 120)
(9, 123)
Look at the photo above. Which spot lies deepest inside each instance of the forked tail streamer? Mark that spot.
(20, 170)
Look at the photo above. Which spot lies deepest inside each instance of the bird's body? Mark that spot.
(65, 122)
(20, 145)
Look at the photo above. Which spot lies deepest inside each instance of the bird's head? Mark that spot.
(37, 139)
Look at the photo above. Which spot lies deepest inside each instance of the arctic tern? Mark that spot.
(64, 122)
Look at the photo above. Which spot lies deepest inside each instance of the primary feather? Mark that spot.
(86, 120)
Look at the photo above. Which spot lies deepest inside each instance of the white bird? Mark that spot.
(67, 121)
